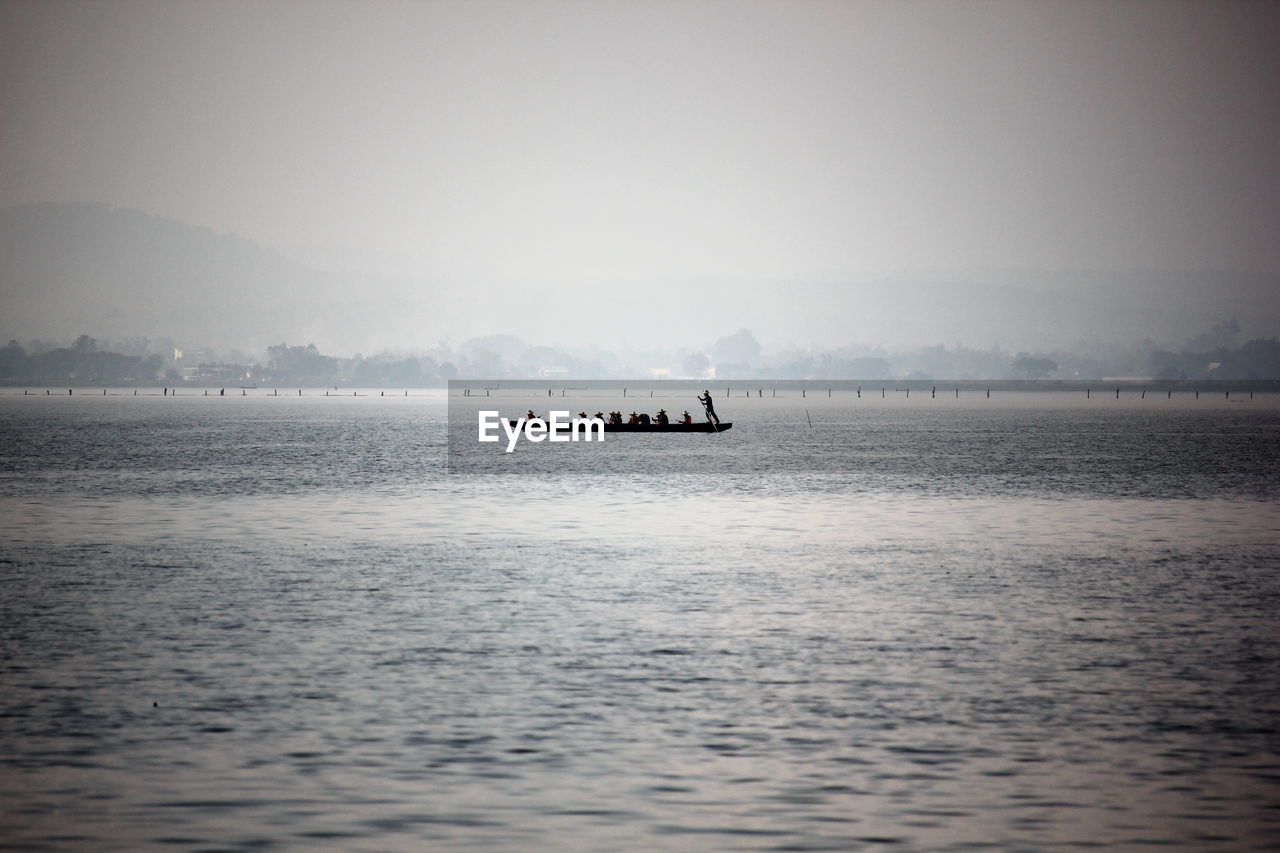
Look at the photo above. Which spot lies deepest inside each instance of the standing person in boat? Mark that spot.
(705, 400)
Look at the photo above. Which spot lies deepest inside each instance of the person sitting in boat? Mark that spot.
(582, 415)
(529, 415)
(662, 419)
(615, 417)
(600, 415)
(634, 419)
(686, 418)
(644, 419)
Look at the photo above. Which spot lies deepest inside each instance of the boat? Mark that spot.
(703, 426)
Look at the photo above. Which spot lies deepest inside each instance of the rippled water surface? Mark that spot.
(1029, 622)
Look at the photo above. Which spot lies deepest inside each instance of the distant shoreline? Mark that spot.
(460, 387)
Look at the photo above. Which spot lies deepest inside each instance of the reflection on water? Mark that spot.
(277, 623)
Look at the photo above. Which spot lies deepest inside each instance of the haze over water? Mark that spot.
(1031, 622)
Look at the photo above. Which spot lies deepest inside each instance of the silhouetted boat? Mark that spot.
(703, 426)
(694, 427)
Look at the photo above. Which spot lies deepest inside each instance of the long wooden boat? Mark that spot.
(704, 426)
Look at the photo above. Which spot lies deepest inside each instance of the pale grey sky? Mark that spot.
(467, 143)
(585, 140)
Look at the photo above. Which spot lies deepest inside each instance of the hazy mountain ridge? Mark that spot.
(122, 272)
(70, 269)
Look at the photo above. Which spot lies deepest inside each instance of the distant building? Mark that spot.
(215, 373)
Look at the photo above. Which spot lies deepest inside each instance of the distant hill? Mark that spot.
(68, 269)
(1044, 310)
(72, 268)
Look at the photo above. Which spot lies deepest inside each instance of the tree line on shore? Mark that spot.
(86, 361)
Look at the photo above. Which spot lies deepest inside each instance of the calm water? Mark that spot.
(1031, 622)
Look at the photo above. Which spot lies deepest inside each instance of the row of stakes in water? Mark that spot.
(168, 392)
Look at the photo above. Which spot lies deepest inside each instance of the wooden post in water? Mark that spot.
(1087, 393)
(1117, 393)
(1144, 393)
(933, 392)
